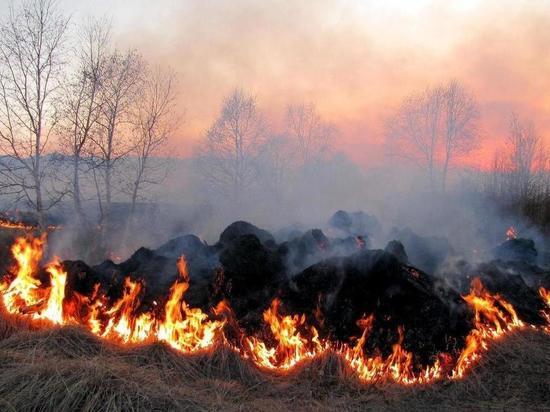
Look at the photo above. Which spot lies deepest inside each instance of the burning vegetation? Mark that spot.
(384, 319)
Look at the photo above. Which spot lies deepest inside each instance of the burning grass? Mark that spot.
(68, 368)
(109, 354)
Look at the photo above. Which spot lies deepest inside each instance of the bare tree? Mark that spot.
(433, 128)
(228, 154)
(82, 103)
(31, 61)
(276, 165)
(154, 122)
(519, 181)
(461, 117)
(120, 85)
(526, 151)
(312, 135)
(414, 130)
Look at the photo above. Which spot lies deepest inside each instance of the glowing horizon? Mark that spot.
(356, 60)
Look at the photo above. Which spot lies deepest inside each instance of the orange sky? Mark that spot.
(355, 59)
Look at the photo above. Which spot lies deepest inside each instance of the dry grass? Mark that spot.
(67, 369)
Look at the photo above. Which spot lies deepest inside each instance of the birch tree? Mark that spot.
(111, 145)
(227, 159)
(31, 63)
(461, 124)
(312, 135)
(414, 130)
(155, 121)
(83, 104)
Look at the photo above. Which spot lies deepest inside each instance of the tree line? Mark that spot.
(102, 105)
(98, 106)
(92, 103)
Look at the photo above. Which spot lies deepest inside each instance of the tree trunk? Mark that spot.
(76, 189)
(445, 169)
(39, 205)
(37, 178)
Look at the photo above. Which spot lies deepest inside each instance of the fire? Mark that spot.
(123, 324)
(183, 328)
(26, 294)
(24, 291)
(54, 305)
(292, 344)
(398, 366)
(511, 233)
(494, 317)
(7, 223)
(545, 295)
(286, 340)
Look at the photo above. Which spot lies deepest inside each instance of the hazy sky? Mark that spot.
(354, 59)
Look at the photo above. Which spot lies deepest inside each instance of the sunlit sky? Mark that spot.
(355, 59)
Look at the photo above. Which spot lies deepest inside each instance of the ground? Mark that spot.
(67, 369)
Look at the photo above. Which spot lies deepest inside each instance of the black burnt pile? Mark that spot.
(338, 291)
(512, 274)
(334, 278)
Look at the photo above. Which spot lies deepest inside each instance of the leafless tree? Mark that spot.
(31, 61)
(526, 153)
(433, 128)
(82, 103)
(519, 180)
(229, 152)
(155, 120)
(276, 165)
(461, 128)
(414, 130)
(312, 135)
(120, 85)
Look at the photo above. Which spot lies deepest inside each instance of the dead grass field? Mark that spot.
(68, 369)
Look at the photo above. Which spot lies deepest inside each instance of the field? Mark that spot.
(69, 369)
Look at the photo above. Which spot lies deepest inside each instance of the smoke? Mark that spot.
(356, 60)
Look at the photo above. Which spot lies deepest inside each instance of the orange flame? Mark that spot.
(186, 329)
(54, 305)
(17, 225)
(9, 224)
(292, 346)
(545, 295)
(286, 341)
(24, 291)
(511, 233)
(493, 318)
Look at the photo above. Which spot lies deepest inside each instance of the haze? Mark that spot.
(356, 60)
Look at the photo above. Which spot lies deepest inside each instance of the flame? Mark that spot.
(397, 367)
(286, 341)
(123, 325)
(183, 328)
(511, 233)
(292, 345)
(23, 292)
(494, 317)
(545, 295)
(7, 223)
(54, 305)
